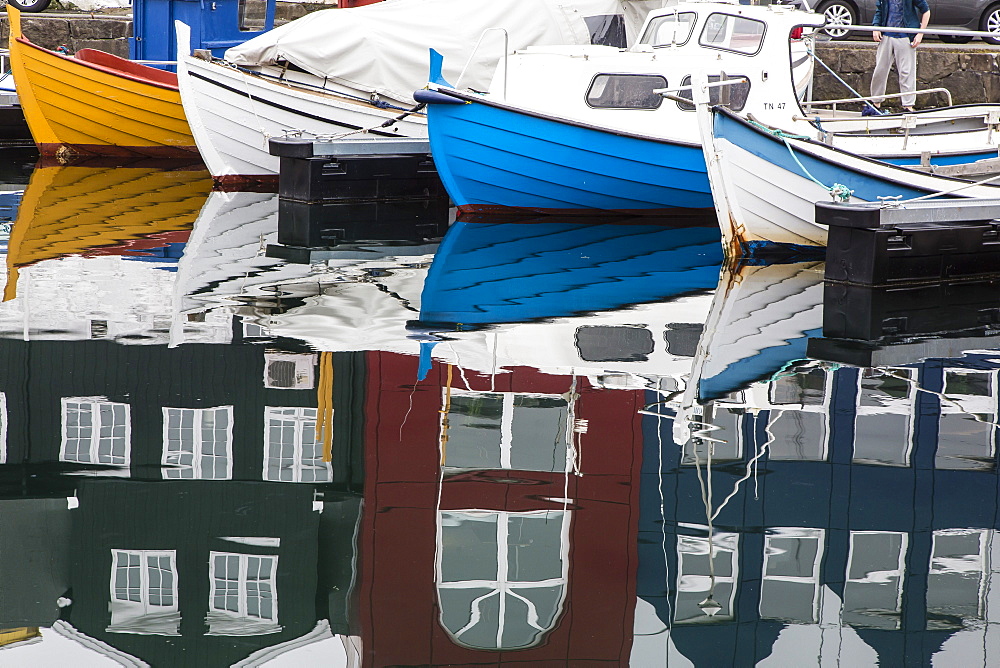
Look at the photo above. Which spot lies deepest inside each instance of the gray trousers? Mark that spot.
(896, 50)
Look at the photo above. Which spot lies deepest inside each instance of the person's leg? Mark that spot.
(906, 68)
(883, 61)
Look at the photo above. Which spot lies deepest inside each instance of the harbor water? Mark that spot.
(486, 441)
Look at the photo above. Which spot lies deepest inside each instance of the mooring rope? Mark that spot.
(839, 192)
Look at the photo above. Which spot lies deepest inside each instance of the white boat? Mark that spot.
(766, 183)
(578, 128)
(341, 72)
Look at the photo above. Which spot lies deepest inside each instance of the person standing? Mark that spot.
(897, 48)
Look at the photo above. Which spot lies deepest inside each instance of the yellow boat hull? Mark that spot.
(111, 107)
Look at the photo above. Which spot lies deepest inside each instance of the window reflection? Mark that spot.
(197, 443)
(504, 430)
(883, 428)
(723, 443)
(967, 428)
(790, 587)
(144, 592)
(292, 452)
(956, 589)
(706, 572)
(501, 577)
(243, 599)
(873, 592)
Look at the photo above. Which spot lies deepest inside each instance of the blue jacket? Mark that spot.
(912, 11)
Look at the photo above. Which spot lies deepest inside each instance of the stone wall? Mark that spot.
(970, 72)
(107, 31)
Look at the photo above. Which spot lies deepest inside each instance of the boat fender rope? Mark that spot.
(414, 110)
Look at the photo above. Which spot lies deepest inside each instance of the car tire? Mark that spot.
(30, 5)
(838, 12)
(954, 39)
(991, 23)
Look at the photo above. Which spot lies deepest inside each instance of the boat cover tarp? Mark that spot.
(383, 48)
(488, 273)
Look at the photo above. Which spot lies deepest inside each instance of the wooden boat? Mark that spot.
(97, 104)
(766, 183)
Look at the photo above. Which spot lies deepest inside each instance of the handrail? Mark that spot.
(913, 31)
(868, 98)
(479, 42)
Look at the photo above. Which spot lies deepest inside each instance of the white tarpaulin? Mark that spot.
(383, 48)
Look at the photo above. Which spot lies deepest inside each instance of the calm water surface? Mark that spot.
(543, 443)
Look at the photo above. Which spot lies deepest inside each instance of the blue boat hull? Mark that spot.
(493, 157)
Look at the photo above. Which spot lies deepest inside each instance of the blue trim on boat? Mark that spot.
(772, 149)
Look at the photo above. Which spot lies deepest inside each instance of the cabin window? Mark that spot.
(501, 576)
(253, 15)
(144, 592)
(625, 91)
(504, 430)
(733, 96)
(95, 431)
(243, 600)
(197, 443)
(673, 29)
(732, 33)
(292, 453)
(607, 30)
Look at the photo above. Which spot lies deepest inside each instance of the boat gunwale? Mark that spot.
(472, 98)
(810, 143)
(93, 66)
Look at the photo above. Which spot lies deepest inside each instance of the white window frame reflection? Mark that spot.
(242, 622)
(507, 445)
(787, 410)
(181, 443)
(771, 550)
(499, 583)
(703, 584)
(93, 447)
(878, 578)
(888, 405)
(982, 409)
(138, 606)
(943, 567)
(301, 468)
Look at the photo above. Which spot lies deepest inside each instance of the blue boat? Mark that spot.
(491, 155)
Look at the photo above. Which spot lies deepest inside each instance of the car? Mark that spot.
(948, 14)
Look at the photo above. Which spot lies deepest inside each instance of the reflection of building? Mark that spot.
(192, 573)
(864, 528)
(500, 509)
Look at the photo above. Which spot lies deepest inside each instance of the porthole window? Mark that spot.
(625, 91)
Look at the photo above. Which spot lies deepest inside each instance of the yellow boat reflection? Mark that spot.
(86, 211)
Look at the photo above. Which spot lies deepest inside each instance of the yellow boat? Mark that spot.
(97, 104)
(75, 210)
